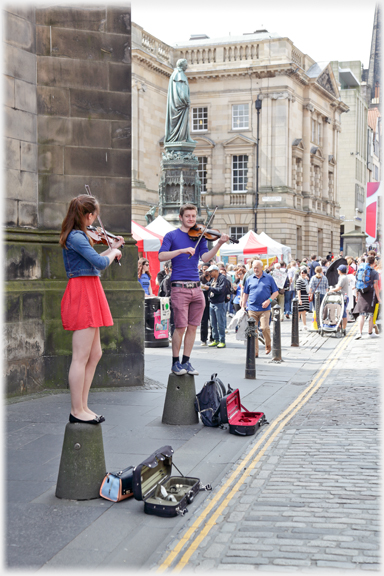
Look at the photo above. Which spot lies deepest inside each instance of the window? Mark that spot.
(318, 133)
(313, 139)
(240, 116)
(239, 173)
(376, 173)
(202, 172)
(237, 232)
(199, 119)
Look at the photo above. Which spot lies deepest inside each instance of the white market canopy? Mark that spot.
(276, 248)
(160, 226)
(146, 241)
(252, 244)
(249, 245)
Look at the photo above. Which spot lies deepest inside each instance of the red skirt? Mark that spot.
(84, 304)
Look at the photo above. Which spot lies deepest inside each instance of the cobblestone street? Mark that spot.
(311, 501)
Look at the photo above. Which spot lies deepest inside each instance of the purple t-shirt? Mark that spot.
(183, 268)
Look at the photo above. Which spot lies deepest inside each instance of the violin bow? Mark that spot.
(206, 228)
(88, 191)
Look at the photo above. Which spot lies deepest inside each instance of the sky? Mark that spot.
(325, 30)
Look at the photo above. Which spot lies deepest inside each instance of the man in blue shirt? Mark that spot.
(187, 297)
(259, 291)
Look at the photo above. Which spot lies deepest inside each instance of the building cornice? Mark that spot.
(151, 63)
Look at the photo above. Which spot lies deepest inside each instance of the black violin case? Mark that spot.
(241, 421)
(152, 479)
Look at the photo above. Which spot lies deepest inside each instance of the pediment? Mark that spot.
(298, 143)
(331, 160)
(316, 151)
(327, 81)
(204, 141)
(239, 140)
(322, 74)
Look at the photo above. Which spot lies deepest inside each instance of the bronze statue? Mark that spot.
(178, 103)
(150, 215)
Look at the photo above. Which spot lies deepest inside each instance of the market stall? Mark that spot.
(148, 244)
(160, 226)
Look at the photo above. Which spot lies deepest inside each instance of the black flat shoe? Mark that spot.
(100, 418)
(74, 420)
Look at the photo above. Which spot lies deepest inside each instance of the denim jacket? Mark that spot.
(80, 259)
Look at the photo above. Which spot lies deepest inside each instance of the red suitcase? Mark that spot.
(241, 423)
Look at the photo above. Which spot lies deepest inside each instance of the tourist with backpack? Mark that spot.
(368, 294)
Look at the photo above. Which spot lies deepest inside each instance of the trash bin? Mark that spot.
(156, 331)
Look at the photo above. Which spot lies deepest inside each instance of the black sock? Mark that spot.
(174, 359)
(185, 359)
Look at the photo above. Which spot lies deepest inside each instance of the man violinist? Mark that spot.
(187, 297)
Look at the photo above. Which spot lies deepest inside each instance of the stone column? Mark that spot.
(308, 109)
(325, 193)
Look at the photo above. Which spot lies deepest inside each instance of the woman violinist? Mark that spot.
(84, 307)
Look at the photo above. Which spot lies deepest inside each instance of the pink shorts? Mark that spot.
(188, 306)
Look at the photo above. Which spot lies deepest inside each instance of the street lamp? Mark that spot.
(258, 108)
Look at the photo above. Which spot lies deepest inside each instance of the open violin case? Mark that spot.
(164, 495)
(241, 421)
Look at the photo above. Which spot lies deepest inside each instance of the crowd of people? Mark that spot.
(257, 287)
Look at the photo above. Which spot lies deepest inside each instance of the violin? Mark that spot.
(198, 229)
(99, 237)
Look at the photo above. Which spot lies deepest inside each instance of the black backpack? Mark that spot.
(207, 402)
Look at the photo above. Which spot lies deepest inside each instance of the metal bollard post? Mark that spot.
(250, 363)
(317, 309)
(295, 322)
(276, 334)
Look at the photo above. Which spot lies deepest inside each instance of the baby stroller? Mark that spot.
(331, 314)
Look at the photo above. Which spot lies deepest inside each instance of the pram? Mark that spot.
(331, 314)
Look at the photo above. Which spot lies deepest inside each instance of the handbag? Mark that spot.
(117, 486)
(310, 296)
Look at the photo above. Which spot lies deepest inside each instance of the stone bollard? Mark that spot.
(82, 465)
(250, 362)
(179, 405)
(276, 335)
(295, 322)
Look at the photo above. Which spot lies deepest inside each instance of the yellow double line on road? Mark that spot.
(242, 472)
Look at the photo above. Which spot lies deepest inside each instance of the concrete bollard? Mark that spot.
(179, 405)
(250, 362)
(82, 465)
(276, 334)
(295, 322)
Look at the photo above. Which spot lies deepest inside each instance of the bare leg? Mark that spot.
(361, 323)
(93, 360)
(303, 317)
(82, 341)
(345, 321)
(189, 339)
(177, 339)
(370, 324)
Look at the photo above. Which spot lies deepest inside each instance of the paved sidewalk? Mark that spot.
(44, 532)
(312, 500)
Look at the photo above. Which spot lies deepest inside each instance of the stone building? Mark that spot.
(300, 122)
(352, 157)
(67, 97)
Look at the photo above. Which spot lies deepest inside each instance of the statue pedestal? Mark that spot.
(179, 180)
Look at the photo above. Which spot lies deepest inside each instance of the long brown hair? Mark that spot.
(75, 218)
(140, 265)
